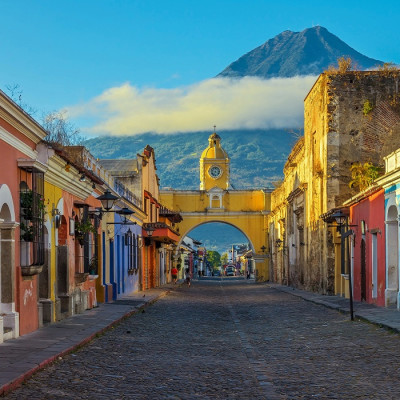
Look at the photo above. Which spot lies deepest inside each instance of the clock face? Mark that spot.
(215, 172)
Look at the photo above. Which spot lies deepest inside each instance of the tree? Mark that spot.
(15, 92)
(297, 133)
(214, 258)
(388, 67)
(343, 65)
(224, 259)
(363, 175)
(60, 131)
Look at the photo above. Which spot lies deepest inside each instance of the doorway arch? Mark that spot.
(363, 271)
(7, 210)
(392, 255)
(8, 224)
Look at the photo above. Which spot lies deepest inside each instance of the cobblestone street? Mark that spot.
(228, 340)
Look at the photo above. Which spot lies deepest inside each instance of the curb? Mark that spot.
(15, 383)
(336, 308)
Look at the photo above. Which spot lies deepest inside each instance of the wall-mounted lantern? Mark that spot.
(107, 200)
(149, 230)
(341, 220)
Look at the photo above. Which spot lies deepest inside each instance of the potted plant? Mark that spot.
(28, 199)
(27, 234)
(82, 228)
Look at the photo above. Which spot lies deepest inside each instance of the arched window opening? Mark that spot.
(216, 201)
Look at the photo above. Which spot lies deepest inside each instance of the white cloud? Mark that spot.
(229, 103)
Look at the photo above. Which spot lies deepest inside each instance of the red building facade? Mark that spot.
(367, 220)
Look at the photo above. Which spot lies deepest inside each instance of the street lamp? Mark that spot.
(149, 230)
(341, 221)
(340, 217)
(107, 200)
(125, 213)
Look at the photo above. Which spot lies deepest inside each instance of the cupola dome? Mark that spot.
(214, 149)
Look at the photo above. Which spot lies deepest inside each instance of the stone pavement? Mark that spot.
(22, 357)
(388, 318)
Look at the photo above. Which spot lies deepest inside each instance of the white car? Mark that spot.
(230, 270)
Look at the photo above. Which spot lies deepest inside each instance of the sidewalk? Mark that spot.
(22, 357)
(388, 318)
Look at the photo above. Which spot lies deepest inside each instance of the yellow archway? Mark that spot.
(246, 210)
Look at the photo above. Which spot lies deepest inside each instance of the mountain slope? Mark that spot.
(288, 54)
(257, 156)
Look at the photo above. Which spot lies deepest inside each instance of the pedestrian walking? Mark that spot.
(174, 273)
(187, 276)
(248, 274)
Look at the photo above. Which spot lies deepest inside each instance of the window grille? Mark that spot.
(131, 241)
(32, 214)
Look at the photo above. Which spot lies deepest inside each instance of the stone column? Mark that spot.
(261, 268)
(7, 264)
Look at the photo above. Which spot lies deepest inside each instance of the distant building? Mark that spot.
(137, 180)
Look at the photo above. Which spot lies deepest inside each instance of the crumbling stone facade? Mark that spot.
(348, 117)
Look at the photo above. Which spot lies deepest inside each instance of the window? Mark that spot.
(131, 241)
(134, 252)
(32, 212)
(216, 201)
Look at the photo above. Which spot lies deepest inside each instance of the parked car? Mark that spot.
(216, 272)
(230, 270)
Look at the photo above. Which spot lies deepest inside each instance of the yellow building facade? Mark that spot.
(216, 201)
(47, 280)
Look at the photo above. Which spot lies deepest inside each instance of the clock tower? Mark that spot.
(214, 165)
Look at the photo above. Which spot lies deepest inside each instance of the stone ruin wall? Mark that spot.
(337, 133)
(363, 137)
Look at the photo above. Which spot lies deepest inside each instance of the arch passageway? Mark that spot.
(217, 201)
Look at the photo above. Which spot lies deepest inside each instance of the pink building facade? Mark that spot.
(20, 171)
(367, 246)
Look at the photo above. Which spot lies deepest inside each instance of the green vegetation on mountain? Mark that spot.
(257, 156)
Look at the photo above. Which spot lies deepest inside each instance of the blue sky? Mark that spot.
(73, 53)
